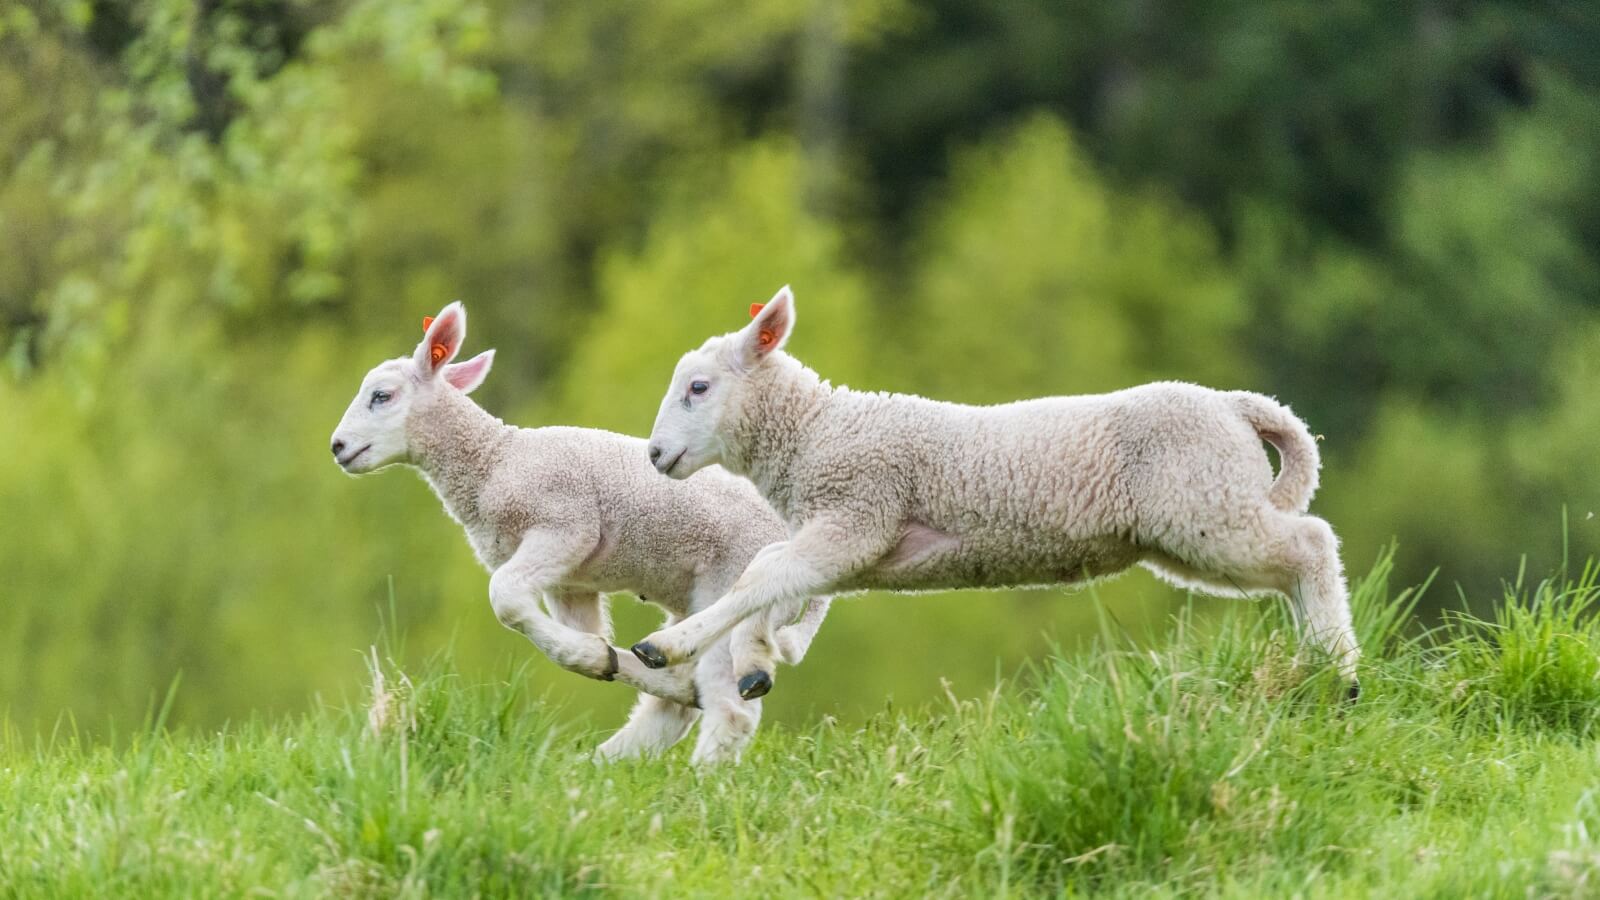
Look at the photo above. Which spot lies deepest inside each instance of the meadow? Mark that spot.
(1214, 761)
(217, 214)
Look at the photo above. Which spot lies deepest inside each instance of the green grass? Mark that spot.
(1213, 764)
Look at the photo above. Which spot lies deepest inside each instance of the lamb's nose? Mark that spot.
(655, 453)
(338, 448)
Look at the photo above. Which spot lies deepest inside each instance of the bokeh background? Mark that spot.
(218, 214)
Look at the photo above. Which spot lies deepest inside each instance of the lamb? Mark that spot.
(568, 514)
(901, 493)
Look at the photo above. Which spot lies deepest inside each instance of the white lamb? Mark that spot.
(567, 514)
(894, 492)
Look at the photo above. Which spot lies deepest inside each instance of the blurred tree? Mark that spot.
(1430, 478)
(44, 85)
(730, 237)
(1486, 265)
(1306, 103)
(612, 102)
(1035, 277)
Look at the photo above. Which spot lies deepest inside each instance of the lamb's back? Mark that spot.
(1044, 463)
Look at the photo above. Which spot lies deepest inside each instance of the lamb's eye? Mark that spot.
(380, 397)
(699, 387)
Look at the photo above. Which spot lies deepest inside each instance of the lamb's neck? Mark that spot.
(776, 426)
(456, 444)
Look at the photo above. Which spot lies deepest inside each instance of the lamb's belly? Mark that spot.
(668, 587)
(967, 565)
(604, 573)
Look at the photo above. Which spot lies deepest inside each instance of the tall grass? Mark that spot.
(1221, 762)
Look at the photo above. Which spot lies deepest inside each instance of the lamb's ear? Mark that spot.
(468, 375)
(441, 339)
(769, 328)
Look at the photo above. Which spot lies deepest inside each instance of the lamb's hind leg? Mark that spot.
(1314, 581)
(651, 730)
(1285, 553)
(655, 723)
(654, 726)
(729, 721)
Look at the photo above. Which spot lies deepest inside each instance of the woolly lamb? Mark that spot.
(895, 492)
(566, 514)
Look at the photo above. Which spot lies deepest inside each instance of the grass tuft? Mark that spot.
(1536, 664)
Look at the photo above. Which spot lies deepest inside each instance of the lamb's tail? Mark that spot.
(1298, 459)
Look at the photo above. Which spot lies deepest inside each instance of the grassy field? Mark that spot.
(1212, 764)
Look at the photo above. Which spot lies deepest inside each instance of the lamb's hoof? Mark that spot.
(649, 655)
(1355, 692)
(754, 685)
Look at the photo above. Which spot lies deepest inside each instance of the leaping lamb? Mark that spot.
(566, 514)
(894, 492)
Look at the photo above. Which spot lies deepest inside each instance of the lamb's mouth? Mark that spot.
(345, 463)
(667, 470)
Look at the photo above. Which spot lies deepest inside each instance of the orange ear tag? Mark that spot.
(767, 338)
(437, 351)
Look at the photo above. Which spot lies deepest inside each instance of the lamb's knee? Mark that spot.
(1315, 542)
(510, 597)
(788, 647)
(511, 611)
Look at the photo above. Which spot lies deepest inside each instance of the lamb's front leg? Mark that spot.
(822, 553)
(541, 562)
(782, 634)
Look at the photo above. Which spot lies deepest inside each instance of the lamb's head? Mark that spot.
(709, 387)
(373, 432)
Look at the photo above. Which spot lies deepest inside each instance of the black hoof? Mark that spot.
(1355, 692)
(754, 685)
(649, 655)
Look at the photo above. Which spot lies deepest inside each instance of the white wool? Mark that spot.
(896, 492)
(567, 515)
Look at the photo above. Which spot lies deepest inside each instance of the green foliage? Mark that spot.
(1487, 258)
(1455, 464)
